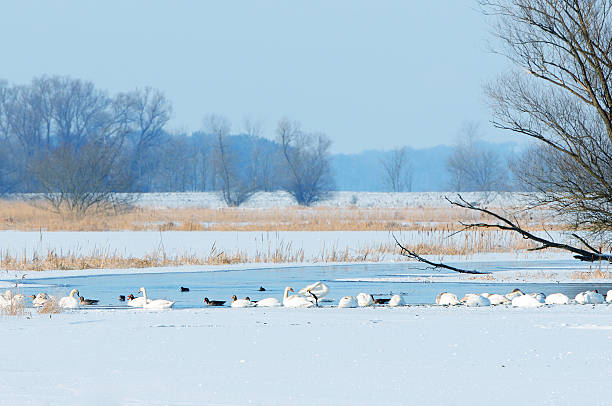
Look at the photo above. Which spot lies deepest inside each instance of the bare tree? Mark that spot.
(235, 187)
(306, 157)
(473, 167)
(561, 96)
(398, 170)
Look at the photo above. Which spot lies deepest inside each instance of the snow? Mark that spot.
(416, 355)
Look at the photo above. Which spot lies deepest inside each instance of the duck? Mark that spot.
(364, 299)
(40, 299)
(347, 301)
(214, 302)
(475, 300)
(155, 303)
(295, 300)
(183, 289)
(557, 298)
(70, 302)
(262, 289)
(319, 289)
(396, 300)
(447, 299)
(514, 293)
(135, 301)
(526, 301)
(496, 299)
(589, 297)
(380, 301)
(122, 298)
(241, 302)
(87, 302)
(268, 302)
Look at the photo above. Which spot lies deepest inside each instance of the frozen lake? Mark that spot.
(411, 280)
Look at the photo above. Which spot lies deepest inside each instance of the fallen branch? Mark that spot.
(410, 254)
(590, 255)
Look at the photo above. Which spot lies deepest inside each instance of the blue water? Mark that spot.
(221, 285)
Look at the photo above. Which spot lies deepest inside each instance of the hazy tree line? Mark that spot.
(84, 149)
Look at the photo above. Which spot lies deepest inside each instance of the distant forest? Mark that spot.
(63, 136)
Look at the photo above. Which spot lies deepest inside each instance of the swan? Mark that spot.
(589, 297)
(396, 300)
(155, 304)
(268, 302)
(295, 300)
(135, 301)
(526, 301)
(39, 300)
(70, 302)
(364, 299)
(347, 301)
(609, 296)
(319, 289)
(475, 300)
(557, 298)
(540, 297)
(514, 293)
(497, 299)
(241, 302)
(447, 299)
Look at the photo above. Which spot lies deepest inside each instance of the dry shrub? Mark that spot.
(588, 275)
(15, 309)
(50, 307)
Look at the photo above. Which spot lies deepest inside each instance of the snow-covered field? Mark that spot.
(336, 199)
(415, 355)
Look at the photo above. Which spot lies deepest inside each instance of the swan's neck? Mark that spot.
(144, 294)
(72, 293)
(286, 295)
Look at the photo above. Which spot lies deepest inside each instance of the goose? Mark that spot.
(514, 293)
(135, 301)
(214, 302)
(526, 301)
(347, 301)
(319, 289)
(295, 300)
(589, 297)
(40, 299)
(70, 302)
(609, 296)
(241, 302)
(268, 302)
(154, 303)
(497, 299)
(396, 300)
(447, 299)
(183, 289)
(87, 302)
(475, 300)
(557, 298)
(364, 299)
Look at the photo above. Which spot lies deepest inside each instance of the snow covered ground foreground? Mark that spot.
(416, 355)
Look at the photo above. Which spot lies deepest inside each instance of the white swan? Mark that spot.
(347, 301)
(475, 300)
(136, 301)
(39, 300)
(295, 300)
(396, 300)
(497, 299)
(154, 304)
(540, 297)
(268, 302)
(557, 298)
(609, 296)
(514, 293)
(70, 302)
(319, 289)
(241, 302)
(364, 299)
(447, 299)
(589, 297)
(526, 301)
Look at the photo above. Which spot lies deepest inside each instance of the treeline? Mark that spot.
(82, 148)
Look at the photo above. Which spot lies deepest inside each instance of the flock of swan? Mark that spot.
(310, 296)
(517, 298)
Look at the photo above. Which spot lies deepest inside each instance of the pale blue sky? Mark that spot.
(371, 74)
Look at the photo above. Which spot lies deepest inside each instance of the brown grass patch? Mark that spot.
(588, 275)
